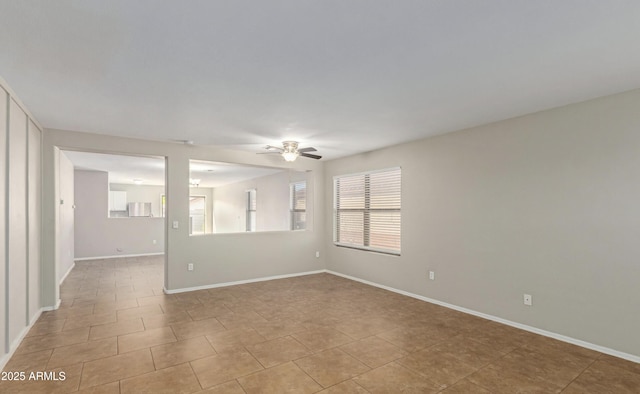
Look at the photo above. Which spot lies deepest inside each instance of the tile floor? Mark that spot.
(116, 332)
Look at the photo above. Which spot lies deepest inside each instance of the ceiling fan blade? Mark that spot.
(309, 155)
(274, 148)
(309, 149)
(269, 153)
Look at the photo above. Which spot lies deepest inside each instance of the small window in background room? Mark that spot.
(298, 204)
(197, 215)
(251, 210)
(367, 210)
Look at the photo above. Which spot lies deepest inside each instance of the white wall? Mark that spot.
(97, 235)
(142, 193)
(66, 216)
(20, 201)
(544, 204)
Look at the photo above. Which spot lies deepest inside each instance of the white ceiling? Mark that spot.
(150, 170)
(214, 174)
(121, 169)
(344, 76)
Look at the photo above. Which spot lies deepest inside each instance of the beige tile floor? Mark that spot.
(116, 332)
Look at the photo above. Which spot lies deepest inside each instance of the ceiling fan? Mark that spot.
(290, 151)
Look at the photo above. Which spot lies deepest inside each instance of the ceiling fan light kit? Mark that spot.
(290, 156)
(290, 151)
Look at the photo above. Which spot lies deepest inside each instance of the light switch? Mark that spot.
(175, 224)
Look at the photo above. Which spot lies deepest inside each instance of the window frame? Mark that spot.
(204, 215)
(367, 211)
(251, 223)
(292, 205)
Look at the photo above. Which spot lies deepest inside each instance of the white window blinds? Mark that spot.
(367, 210)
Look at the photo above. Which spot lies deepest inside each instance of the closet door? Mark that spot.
(3, 188)
(35, 215)
(17, 280)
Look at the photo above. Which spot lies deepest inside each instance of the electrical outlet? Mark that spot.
(528, 300)
(155, 242)
(190, 267)
(317, 254)
(432, 275)
(175, 224)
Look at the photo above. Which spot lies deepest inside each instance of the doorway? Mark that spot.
(197, 215)
(117, 209)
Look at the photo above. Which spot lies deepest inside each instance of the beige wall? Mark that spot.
(97, 235)
(20, 201)
(66, 216)
(217, 258)
(272, 203)
(544, 204)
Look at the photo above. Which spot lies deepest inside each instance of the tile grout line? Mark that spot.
(580, 374)
(306, 373)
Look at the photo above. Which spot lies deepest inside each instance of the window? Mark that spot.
(251, 210)
(298, 204)
(367, 210)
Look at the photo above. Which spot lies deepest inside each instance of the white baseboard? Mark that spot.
(563, 338)
(241, 282)
(14, 345)
(35, 318)
(118, 256)
(52, 308)
(67, 273)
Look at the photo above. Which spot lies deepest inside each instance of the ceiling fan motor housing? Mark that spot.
(290, 146)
